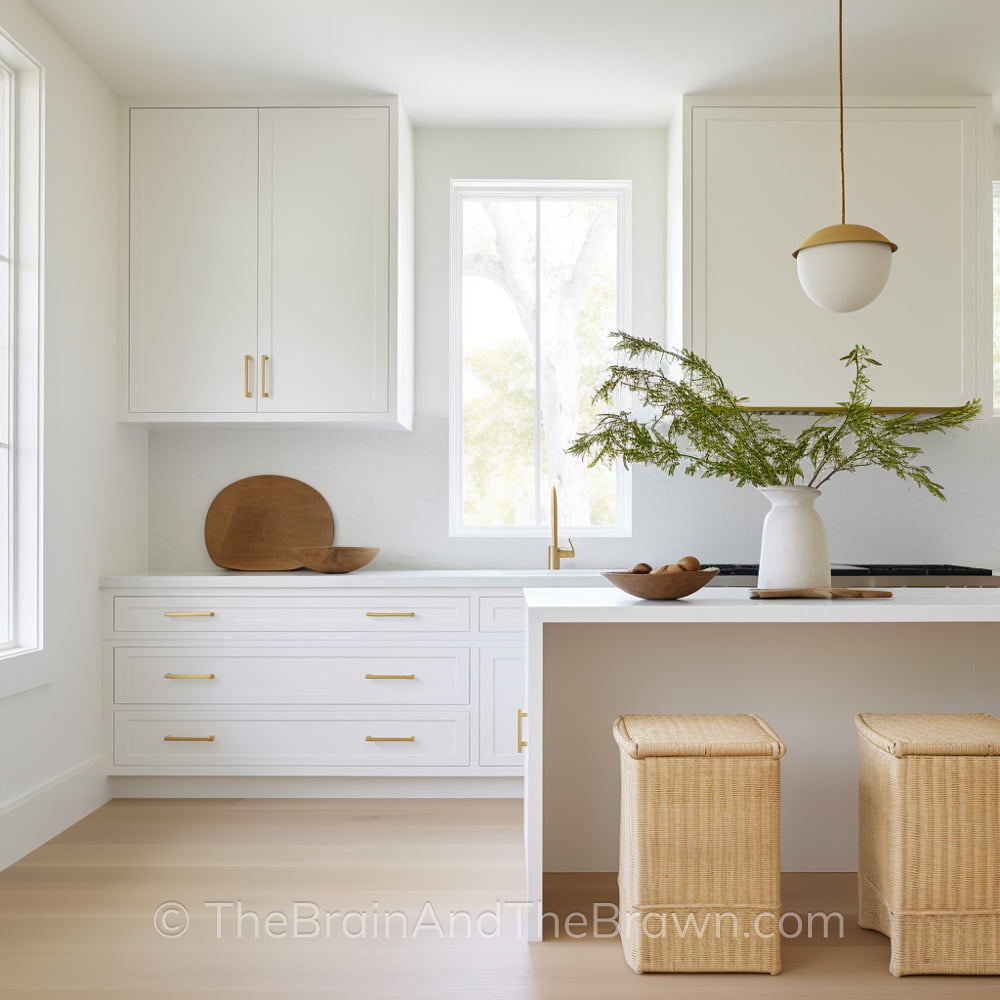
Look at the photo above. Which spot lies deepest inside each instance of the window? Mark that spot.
(539, 281)
(20, 347)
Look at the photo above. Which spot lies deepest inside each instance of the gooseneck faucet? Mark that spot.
(557, 554)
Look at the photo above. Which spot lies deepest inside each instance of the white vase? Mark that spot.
(793, 552)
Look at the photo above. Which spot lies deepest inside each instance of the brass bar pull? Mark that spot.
(188, 614)
(390, 614)
(247, 381)
(390, 677)
(188, 739)
(264, 394)
(189, 677)
(521, 741)
(389, 739)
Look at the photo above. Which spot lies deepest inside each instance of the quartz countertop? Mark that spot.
(733, 604)
(362, 578)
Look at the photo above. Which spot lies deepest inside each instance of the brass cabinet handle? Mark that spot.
(189, 677)
(389, 739)
(390, 677)
(264, 394)
(521, 741)
(188, 739)
(188, 614)
(390, 614)
(247, 382)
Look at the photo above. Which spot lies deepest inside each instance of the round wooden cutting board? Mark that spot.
(254, 523)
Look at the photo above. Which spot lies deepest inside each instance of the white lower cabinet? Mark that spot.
(501, 681)
(272, 681)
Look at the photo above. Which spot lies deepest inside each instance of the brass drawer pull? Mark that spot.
(188, 739)
(389, 739)
(188, 614)
(390, 677)
(264, 359)
(521, 741)
(189, 677)
(390, 614)
(247, 362)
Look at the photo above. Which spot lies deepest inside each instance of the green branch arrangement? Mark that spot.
(700, 426)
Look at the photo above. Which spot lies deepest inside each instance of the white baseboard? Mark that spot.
(31, 819)
(288, 787)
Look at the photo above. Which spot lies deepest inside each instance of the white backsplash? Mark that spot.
(390, 490)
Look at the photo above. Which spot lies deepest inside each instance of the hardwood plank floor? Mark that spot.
(413, 889)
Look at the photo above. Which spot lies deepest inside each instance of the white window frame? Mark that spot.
(22, 524)
(460, 189)
(995, 244)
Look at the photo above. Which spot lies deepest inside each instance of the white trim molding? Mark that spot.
(38, 815)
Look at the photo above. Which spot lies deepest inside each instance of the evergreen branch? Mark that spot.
(701, 427)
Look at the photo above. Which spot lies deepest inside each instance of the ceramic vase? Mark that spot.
(793, 552)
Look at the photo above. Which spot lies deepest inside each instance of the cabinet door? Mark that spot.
(324, 279)
(192, 259)
(763, 178)
(501, 696)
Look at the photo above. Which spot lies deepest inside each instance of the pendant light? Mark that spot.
(844, 267)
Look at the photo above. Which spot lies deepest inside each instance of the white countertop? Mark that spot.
(362, 578)
(733, 604)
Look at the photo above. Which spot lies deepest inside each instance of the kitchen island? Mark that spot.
(806, 666)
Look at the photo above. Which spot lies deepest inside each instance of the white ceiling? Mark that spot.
(531, 62)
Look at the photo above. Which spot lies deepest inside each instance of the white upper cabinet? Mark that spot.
(270, 265)
(760, 176)
(193, 259)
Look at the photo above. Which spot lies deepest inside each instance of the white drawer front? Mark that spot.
(368, 739)
(501, 614)
(299, 613)
(251, 675)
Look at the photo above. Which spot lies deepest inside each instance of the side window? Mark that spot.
(20, 349)
(6, 358)
(539, 281)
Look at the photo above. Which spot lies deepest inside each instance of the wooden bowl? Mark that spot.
(334, 558)
(661, 586)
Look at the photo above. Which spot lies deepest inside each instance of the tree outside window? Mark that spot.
(539, 279)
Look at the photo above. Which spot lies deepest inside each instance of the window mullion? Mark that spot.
(538, 359)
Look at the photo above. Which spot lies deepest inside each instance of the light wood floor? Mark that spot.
(77, 915)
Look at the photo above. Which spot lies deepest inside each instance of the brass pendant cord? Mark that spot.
(840, 75)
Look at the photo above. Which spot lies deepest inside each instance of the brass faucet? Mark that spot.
(557, 554)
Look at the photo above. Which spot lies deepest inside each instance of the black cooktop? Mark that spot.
(869, 569)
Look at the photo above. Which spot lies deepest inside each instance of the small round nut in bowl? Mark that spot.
(662, 586)
(335, 558)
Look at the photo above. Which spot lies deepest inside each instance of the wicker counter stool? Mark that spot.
(699, 869)
(929, 861)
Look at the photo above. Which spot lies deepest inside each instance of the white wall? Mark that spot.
(390, 489)
(94, 469)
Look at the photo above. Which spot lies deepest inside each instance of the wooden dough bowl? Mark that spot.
(662, 586)
(334, 558)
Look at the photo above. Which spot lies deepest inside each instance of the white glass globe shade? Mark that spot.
(844, 276)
